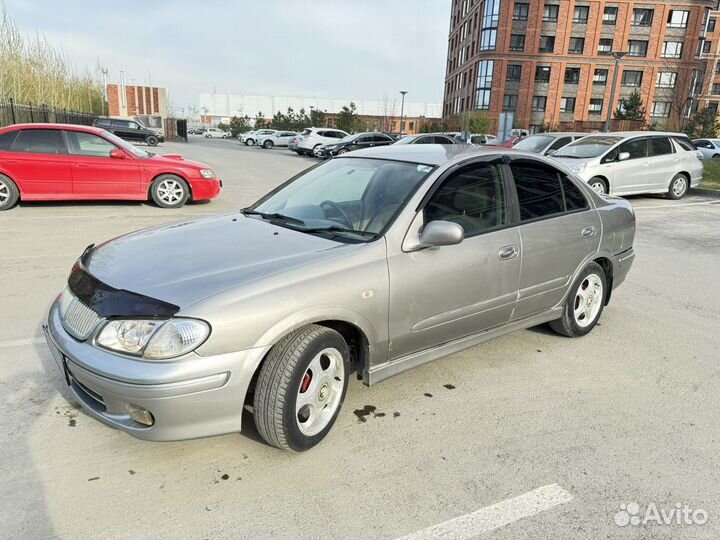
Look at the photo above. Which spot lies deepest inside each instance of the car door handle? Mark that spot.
(588, 232)
(508, 252)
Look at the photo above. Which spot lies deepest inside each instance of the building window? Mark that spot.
(542, 74)
(572, 75)
(484, 84)
(705, 46)
(632, 78)
(716, 89)
(660, 109)
(547, 44)
(605, 46)
(713, 106)
(490, 19)
(610, 15)
(539, 103)
(517, 42)
(488, 39)
(510, 102)
(672, 49)
(642, 17)
(678, 18)
(637, 47)
(550, 13)
(514, 71)
(580, 15)
(567, 104)
(666, 79)
(711, 26)
(596, 105)
(576, 46)
(717, 68)
(600, 76)
(520, 13)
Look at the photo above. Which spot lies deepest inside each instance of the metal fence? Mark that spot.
(14, 113)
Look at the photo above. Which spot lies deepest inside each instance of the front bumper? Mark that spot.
(205, 188)
(190, 397)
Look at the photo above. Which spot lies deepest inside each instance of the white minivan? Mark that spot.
(632, 162)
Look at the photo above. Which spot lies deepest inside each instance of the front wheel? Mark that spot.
(678, 187)
(584, 304)
(169, 191)
(301, 388)
(599, 185)
(249, 142)
(9, 193)
(152, 140)
(268, 144)
(342, 151)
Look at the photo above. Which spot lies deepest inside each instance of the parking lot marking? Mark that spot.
(21, 342)
(670, 205)
(500, 514)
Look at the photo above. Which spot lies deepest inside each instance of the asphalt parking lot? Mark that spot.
(532, 435)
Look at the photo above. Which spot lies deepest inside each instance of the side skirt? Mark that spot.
(384, 371)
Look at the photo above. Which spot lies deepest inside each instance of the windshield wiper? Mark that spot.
(271, 216)
(336, 229)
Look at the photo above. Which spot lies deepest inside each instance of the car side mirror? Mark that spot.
(117, 154)
(441, 233)
(622, 156)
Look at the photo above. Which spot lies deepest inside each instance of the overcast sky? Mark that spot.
(358, 49)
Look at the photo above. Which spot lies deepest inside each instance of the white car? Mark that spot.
(632, 162)
(547, 143)
(215, 133)
(279, 138)
(709, 148)
(312, 138)
(253, 136)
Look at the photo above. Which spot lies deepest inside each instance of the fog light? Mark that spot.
(140, 414)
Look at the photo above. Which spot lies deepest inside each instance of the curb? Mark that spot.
(713, 193)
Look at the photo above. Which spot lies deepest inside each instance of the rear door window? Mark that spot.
(538, 189)
(660, 146)
(39, 141)
(88, 144)
(559, 143)
(6, 140)
(574, 198)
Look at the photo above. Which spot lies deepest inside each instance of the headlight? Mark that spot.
(154, 339)
(578, 167)
(207, 173)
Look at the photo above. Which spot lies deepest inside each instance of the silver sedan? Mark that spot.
(369, 264)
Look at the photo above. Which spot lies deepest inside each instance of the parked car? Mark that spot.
(547, 143)
(129, 130)
(279, 138)
(57, 162)
(631, 162)
(215, 133)
(709, 148)
(294, 142)
(428, 138)
(253, 136)
(196, 131)
(372, 263)
(482, 138)
(353, 142)
(314, 137)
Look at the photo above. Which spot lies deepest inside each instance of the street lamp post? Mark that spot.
(617, 55)
(402, 109)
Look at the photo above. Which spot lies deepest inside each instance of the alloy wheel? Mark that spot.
(588, 300)
(170, 191)
(320, 392)
(679, 186)
(4, 192)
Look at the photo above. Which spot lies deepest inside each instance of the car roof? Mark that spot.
(39, 125)
(560, 134)
(626, 134)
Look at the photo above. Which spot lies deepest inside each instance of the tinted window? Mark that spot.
(684, 143)
(473, 197)
(659, 146)
(365, 139)
(120, 124)
(6, 140)
(424, 140)
(637, 148)
(439, 139)
(87, 144)
(574, 199)
(562, 141)
(382, 138)
(103, 122)
(39, 141)
(538, 189)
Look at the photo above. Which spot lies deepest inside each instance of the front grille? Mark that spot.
(79, 320)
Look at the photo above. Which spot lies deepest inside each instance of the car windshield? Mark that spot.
(351, 199)
(534, 143)
(117, 141)
(408, 139)
(587, 147)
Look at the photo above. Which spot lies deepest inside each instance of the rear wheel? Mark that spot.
(249, 142)
(599, 185)
(9, 193)
(716, 156)
(152, 140)
(268, 144)
(301, 387)
(584, 304)
(342, 151)
(170, 191)
(678, 187)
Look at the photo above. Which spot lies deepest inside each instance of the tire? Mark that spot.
(268, 144)
(716, 156)
(152, 140)
(342, 151)
(9, 193)
(678, 187)
(169, 191)
(589, 292)
(315, 358)
(249, 142)
(599, 184)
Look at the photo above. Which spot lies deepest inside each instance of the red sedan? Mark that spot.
(58, 162)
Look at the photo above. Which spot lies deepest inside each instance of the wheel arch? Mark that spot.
(601, 177)
(607, 266)
(17, 186)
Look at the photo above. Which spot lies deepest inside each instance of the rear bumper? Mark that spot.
(188, 398)
(203, 190)
(622, 262)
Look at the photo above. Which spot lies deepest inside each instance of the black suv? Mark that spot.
(129, 130)
(354, 142)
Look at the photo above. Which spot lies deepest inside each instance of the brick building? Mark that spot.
(549, 62)
(136, 100)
